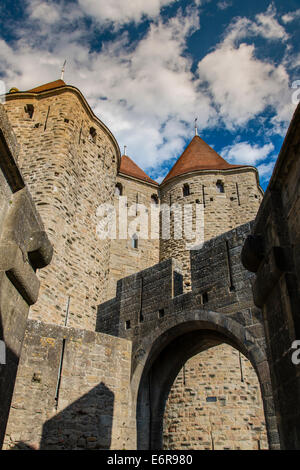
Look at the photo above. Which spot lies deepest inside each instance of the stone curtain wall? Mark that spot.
(94, 409)
(69, 172)
(24, 247)
(210, 407)
(124, 259)
(222, 211)
(273, 253)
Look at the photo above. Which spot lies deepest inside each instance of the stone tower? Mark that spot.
(69, 160)
(132, 254)
(230, 196)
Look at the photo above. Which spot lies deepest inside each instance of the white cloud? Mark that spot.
(268, 26)
(246, 154)
(146, 91)
(122, 11)
(43, 11)
(291, 16)
(265, 25)
(151, 94)
(243, 86)
(224, 5)
(265, 170)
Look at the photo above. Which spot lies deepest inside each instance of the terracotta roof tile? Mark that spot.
(198, 155)
(128, 167)
(48, 86)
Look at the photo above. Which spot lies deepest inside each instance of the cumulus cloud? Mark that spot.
(265, 170)
(48, 12)
(121, 12)
(291, 16)
(147, 91)
(243, 86)
(246, 154)
(267, 25)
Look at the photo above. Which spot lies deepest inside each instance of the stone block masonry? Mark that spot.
(24, 247)
(273, 253)
(215, 404)
(124, 258)
(69, 160)
(93, 410)
(147, 305)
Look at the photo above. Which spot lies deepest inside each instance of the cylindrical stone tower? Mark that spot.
(230, 196)
(69, 160)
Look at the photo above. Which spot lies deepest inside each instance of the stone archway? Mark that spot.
(161, 355)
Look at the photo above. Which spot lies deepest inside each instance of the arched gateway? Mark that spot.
(165, 352)
(167, 327)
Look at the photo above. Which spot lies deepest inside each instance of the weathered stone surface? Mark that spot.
(277, 284)
(21, 233)
(91, 409)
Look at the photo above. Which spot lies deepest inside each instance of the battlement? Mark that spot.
(150, 299)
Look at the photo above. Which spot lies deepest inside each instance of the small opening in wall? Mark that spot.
(93, 134)
(211, 199)
(135, 241)
(29, 109)
(220, 186)
(141, 318)
(154, 199)
(118, 189)
(211, 399)
(231, 289)
(161, 313)
(197, 201)
(204, 297)
(127, 325)
(186, 190)
(66, 120)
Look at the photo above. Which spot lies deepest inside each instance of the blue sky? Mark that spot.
(149, 67)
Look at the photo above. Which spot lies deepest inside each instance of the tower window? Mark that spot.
(118, 189)
(93, 134)
(186, 190)
(29, 109)
(135, 241)
(154, 199)
(220, 186)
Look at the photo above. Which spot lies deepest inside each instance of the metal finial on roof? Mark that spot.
(125, 147)
(63, 70)
(196, 129)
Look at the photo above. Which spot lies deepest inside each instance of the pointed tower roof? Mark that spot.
(48, 86)
(198, 155)
(128, 167)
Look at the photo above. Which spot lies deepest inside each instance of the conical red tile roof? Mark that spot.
(198, 155)
(48, 86)
(128, 167)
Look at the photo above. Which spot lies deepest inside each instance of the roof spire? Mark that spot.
(63, 70)
(125, 147)
(196, 129)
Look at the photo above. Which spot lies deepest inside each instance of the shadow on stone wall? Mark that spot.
(85, 424)
(8, 373)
